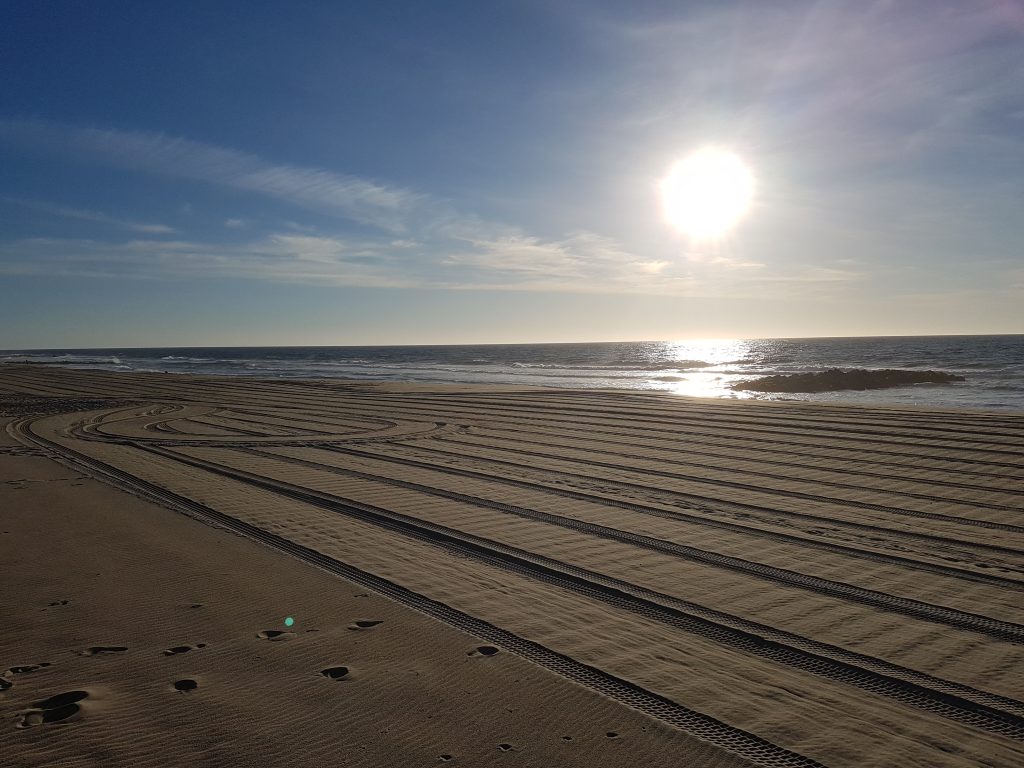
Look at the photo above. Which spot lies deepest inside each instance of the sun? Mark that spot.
(705, 194)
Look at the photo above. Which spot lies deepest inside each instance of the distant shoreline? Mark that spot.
(992, 367)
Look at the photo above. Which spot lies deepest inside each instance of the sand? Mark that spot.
(501, 576)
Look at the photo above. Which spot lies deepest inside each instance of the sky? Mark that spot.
(277, 173)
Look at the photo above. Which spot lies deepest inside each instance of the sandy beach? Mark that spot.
(225, 571)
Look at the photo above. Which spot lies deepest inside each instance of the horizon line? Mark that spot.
(515, 343)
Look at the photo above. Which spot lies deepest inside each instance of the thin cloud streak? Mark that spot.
(349, 196)
(581, 263)
(438, 247)
(86, 215)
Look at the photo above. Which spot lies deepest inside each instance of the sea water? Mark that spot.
(993, 366)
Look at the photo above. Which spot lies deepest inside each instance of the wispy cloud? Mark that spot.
(580, 263)
(421, 242)
(278, 258)
(86, 215)
(842, 85)
(520, 255)
(348, 196)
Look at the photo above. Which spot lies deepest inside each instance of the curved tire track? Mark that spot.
(758, 751)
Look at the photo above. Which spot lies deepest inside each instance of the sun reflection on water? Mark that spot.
(715, 352)
(706, 367)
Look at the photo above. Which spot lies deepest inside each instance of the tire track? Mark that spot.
(846, 470)
(758, 751)
(804, 416)
(710, 503)
(943, 570)
(781, 447)
(646, 542)
(435, 410)
(834, 433)
(777, 491)
(630, 597)
(941, 614)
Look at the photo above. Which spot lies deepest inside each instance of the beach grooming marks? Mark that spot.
(738, 582)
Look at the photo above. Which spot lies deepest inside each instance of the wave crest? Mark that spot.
(835, 379)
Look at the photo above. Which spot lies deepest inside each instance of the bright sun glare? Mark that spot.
(705, 194)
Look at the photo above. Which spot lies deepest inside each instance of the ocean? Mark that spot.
(993, 366)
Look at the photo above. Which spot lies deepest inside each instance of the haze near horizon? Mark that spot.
(508, 172)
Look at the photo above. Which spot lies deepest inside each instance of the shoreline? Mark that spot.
(994, 378)
(415, 385)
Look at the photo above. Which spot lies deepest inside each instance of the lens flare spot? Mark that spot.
(289, 621)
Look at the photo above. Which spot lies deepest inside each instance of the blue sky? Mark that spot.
(216, 173)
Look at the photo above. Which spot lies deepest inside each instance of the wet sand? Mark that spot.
(501, 576)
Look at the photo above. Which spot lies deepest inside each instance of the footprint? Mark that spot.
(61, 700)
(185, 685)
(196, 605)
(275, 634)
(445, 758)
(505, 747)
(5, 685)
(365, 623)
(48, 715)
(59, 602)
(24, 669)
(54, 709)
(175, 650)
(612, 735)
(483, 650)
(335, 673)
(103, 650)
